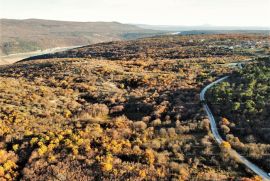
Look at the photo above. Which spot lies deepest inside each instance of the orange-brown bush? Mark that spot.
(88, 119)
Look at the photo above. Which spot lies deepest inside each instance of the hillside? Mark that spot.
(34, 34)
(112, 112)
(172, 47)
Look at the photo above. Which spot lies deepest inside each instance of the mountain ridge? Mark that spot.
(19, 36)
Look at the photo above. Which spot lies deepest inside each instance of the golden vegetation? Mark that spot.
(88, 119)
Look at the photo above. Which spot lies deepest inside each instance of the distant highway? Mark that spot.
(264, 175)
(12, 58)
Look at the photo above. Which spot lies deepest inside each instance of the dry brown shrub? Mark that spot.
(117, 109)
(140, 125)
(94, 111)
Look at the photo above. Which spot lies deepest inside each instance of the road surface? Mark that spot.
(219, 139)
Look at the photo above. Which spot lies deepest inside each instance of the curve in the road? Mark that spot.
(264, 175)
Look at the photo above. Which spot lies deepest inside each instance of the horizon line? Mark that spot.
(143, 24)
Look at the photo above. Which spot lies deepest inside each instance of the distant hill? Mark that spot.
(169, 47)
(19, 36)
(229, 29)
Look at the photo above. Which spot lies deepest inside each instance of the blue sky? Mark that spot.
(159, 12)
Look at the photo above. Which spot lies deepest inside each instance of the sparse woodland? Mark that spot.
(125, 119)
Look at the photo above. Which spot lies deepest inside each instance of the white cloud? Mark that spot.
(173, 12)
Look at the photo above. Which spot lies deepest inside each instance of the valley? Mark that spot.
(23, 36)
(12, 58)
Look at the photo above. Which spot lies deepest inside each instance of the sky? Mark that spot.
(153, 12)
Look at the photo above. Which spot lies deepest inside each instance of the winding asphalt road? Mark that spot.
(219, 139)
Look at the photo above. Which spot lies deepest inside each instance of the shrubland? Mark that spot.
(100, 119)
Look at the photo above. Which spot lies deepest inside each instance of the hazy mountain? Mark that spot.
(201, 27)
(35, 34)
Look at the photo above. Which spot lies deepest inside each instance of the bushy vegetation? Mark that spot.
(172, 47)
(243, 102)
(88, 119)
